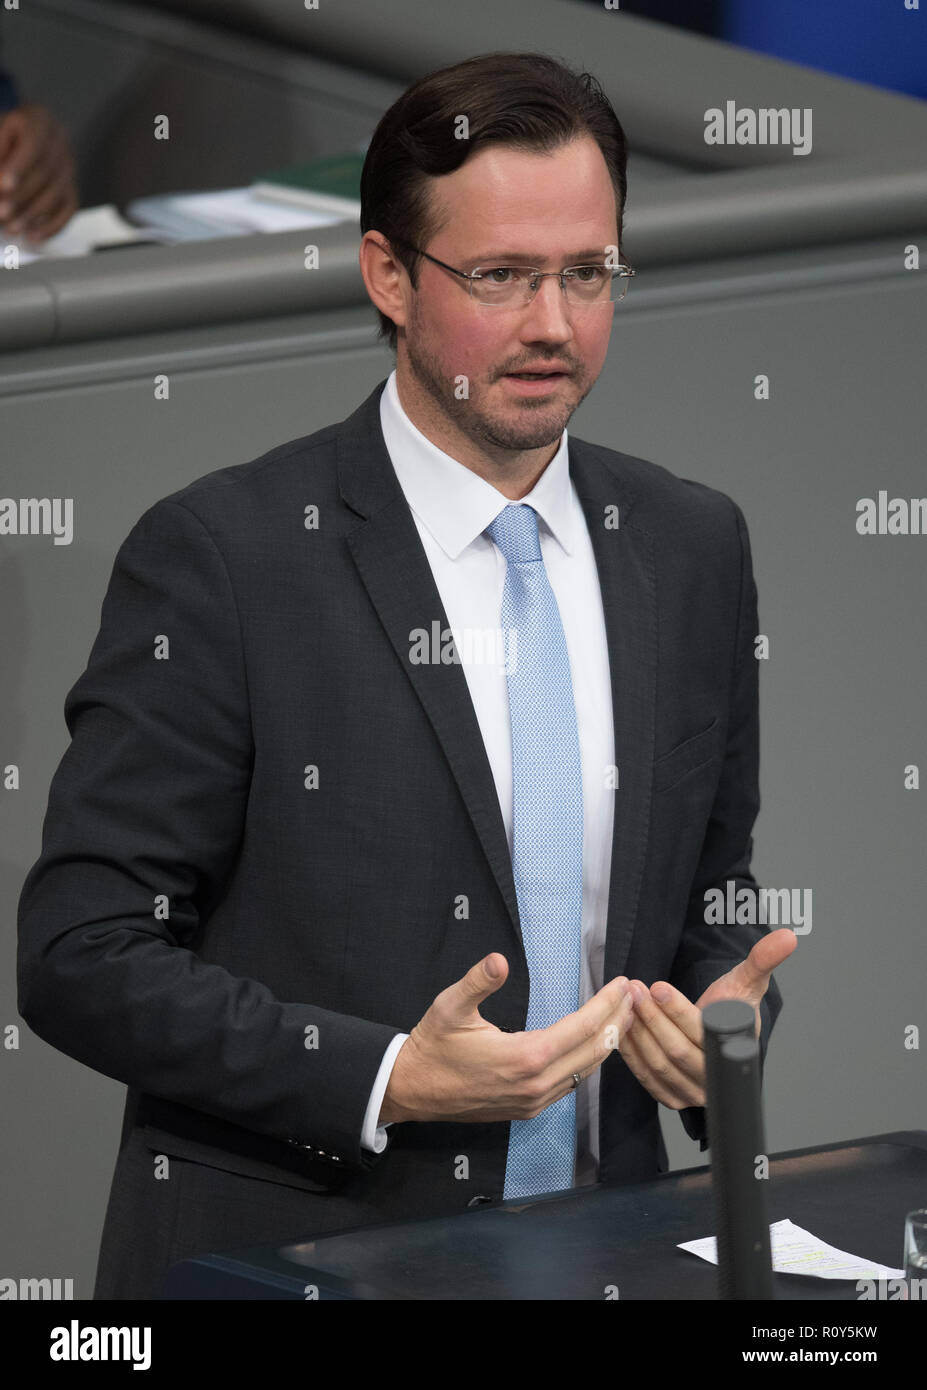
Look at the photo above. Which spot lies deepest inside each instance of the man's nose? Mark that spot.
(547, 315)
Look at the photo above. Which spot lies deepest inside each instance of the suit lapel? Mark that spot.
(393, 567)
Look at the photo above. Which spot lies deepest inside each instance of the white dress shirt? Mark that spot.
(452, 506)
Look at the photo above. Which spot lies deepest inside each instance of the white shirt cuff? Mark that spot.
(373, 1137)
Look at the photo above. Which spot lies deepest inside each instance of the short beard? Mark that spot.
(532, 431)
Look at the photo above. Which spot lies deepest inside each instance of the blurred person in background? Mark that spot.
(38, 185)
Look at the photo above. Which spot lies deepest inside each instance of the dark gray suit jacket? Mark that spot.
(239, 945)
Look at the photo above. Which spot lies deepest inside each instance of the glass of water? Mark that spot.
(915, 1253)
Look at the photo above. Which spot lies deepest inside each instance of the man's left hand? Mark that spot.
(36, 156)
(663, 1043)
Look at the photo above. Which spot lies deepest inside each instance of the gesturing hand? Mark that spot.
(663, 1045)
(457, 1066)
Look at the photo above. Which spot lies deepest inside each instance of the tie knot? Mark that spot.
(515, 532)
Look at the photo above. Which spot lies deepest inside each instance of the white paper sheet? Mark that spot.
(796, 1251)
(228, 212)
(89, 227)
(236, 210)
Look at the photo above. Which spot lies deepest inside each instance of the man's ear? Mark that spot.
(385, 277)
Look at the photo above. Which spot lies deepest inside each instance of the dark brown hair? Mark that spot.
(524, 100)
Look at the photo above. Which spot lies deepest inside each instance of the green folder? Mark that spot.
(329, 184)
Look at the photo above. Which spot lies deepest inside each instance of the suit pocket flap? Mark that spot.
(686, 757)
(245, 1165)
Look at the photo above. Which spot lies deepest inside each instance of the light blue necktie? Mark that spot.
(547, 847)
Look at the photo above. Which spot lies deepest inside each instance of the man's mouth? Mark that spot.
(535, 383)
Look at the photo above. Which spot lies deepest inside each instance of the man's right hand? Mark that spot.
(455, 1065)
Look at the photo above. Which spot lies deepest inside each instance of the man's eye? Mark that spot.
(502, 271)
(588, 273)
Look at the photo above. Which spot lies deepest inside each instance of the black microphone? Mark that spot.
(734, 1118)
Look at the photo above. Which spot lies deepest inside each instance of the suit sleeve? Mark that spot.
(145, 816)
(708, 951)
(9, 95)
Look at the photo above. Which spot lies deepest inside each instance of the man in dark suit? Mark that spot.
(303, 859)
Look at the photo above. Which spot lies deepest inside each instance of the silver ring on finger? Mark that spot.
(576, 1079)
